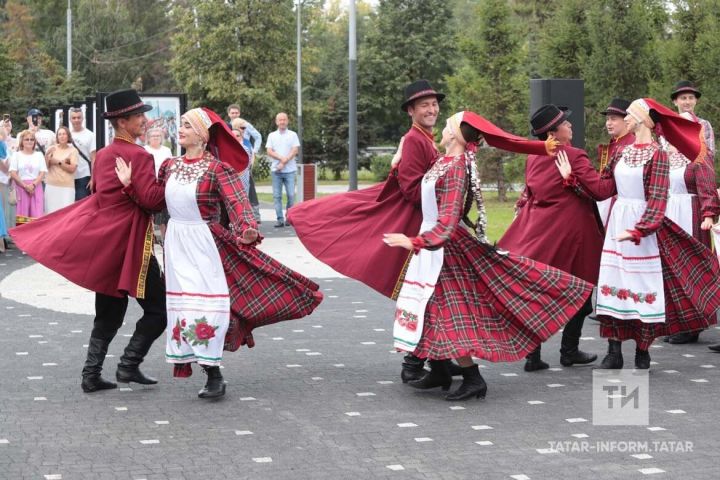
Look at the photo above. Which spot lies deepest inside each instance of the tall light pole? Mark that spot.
(68, 65)
(352, 93)
(299, 84)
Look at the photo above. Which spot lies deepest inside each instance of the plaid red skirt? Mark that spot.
(263, 291)
(691, 279)
(495, 306)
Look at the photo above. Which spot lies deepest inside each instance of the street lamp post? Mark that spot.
(299, 83)
(68, 65)
(352, 110)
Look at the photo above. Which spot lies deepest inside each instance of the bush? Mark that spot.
(380, 166)
(261, 168)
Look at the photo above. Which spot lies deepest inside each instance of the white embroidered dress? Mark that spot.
(630, 281)
(198, 301)
(422, 272)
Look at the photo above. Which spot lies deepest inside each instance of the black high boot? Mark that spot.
(533, 362)
(473, 385)
(614, 359)
(412, 368)
(438, 376)
(684, 337)
(215, 385)
(91, 379)
(129, 367)
(642, 359)
(570, 354)
(715, 348)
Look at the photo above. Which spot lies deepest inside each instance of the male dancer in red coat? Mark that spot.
(111, 248)
(556, 226)
(620, 138)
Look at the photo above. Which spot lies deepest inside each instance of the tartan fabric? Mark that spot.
(262, 290)
(656, 179)
(700, 180)
(488, 303)
(691, 280)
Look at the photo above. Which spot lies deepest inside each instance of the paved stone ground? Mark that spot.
(320, 398)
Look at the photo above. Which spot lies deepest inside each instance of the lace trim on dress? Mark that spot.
(639, 155)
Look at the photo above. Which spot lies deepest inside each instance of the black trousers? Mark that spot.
(110, 311)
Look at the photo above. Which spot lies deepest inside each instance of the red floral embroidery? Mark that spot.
(203, 331)
(624, 294)
(406, 319)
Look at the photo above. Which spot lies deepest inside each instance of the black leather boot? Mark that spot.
(473, 385)
(533, 362)
(715, 348)
(129, 367)
(412, 368)
(438, 376)
(455, 369)
(215, 385)
(684, 337)
(570, 354)
(91, 379)
(614, 359)
(642, 359)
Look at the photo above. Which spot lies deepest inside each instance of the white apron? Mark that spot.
(198, 301)
(420, 279)
(679, 206)
(630, 284)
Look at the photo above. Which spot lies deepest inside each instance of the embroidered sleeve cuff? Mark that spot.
(418, 244)
(636, 236)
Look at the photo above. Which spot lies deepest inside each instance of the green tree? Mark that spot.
(563, 42)
(326, 104)
(236, 52)
(34, 78)
(490, 79)
(623, 58)
(115, 42)
(408, 40)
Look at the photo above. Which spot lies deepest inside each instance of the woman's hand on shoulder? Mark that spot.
(123, 171)
(563, 164)
(397, 240)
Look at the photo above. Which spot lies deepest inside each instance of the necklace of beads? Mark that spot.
(189, 170)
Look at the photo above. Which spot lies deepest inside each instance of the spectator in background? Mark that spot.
(84, 141)
(7, 147)
(238, 126)
(44, 138)
(155, 147)
(282, 146)
(4, 179)
(62, 161)
(27, 169)
(160, 153)
(250, 133)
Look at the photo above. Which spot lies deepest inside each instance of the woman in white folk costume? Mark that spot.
(461, 297)
(655, 278)
(219, 286)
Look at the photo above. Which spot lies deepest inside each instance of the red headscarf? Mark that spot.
(683, 134)
(499, 138)
(221, 142)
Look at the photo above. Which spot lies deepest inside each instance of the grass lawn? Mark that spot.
(500, 214)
